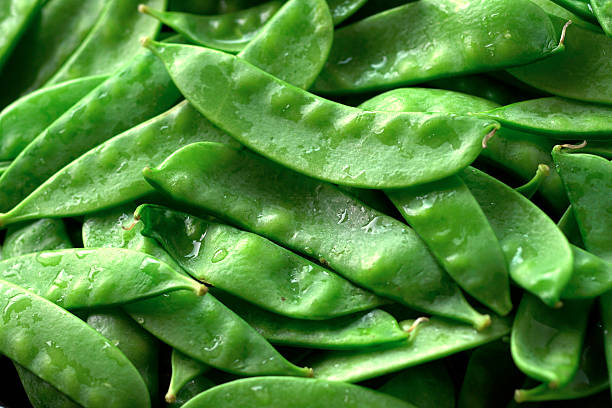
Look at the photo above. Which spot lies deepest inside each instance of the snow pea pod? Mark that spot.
(603, 12)
(226, 32)
(111, 41)
(313, 218)
(579, 7)
(83, 365)
(538, 254)
(263, 273)
(532, 186)
(282, 392)
(592, 276)
(14, 18)
(322, 139)
(432, 340)
(421, 41)
(25, 118)
(343, 9)
(43, 235)
(184, 369)
(569, 226)
(194, 387)
(546, 343)
(42, 394)
(478, 85)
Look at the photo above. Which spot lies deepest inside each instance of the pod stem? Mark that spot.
(564, 32)
(416, 323)
(574, 147)
(488, 137)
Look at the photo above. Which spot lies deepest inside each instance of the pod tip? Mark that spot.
(146, 41)
(484, 322)
(518, 396)
(170, 398)
(201, 290)
(142, 8)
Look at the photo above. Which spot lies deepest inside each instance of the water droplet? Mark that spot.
(219, 255)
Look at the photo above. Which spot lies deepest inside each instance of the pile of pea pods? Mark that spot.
(305, 203)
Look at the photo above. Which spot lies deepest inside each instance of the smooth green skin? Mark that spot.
(425, 386)
(42, 394)
(322, 139)
(190, 390)
(41, 235)
(397, 47)
(262, 272)
(591, 277)
(478, 85)
(557, 118)
(356, 331)
(603, 11)
(226, 32)
(569, 226)
(135, 343)
(546, 343)
(588, 182)
(139, 91)
(282, 392)
(432, 340)
(315, 219)
(51, 38)
(294, 44)
(111, 42)
(184, 369)
(15, 16)
(25, 118)
(84, 278)
(605, 308)
(538, 254)
(448, 218)
(343, 9)
(64, 351)
(583, 71)
(532, 186)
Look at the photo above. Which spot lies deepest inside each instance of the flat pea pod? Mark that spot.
(42, 394)
(194, 387)
(263, 273)
(538, 254)
(112, 40)
(431, 340)
(184, 369)
(532, 186)
(588, 182)
(396, 46)
(43, 235)
(83, 365)
(605, 308)
(81, 278)
(24, 119)
(322, 139)
(361, 330)
(546, 343)
(603, 11)
(14, 18)
(227, 32)
(592, 276)
(137, 92)
(557, 118)
(284, 392)
(343, 9)
(425, 386)
(313, 218)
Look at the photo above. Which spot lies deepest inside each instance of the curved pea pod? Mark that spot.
(546, 343)
(538, 254)
(343, 9)
(358, 148)
(313, 218)
(227, 32)
(425, 386)
(111, 41)
(395, 47)
(588, 182)
(194, 387)
(65, 352)
(605, 308)
(479, 85)
(25, 118)
(42, 394)
(14, 18)
(42, 235)
(532, 186)
(282, 392)
(603, 11)
(79, 278)
(592, 276)
(262, 272)
(431, 340)
(184, 369)
(557, 118)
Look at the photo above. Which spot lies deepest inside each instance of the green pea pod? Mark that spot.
(316, 219)
(538, 254)
(588, 181)
(395, 47)
(425, 386)
(431, 340)
(184, 369)
(479, 85)
(83, 365)
(111, 41)
(569, 226)
(603, 11)
(42, 394)
(592, 276)
(532, 186)
(137, 92)
(605, 308)
(25, 118)
(343, 9)
(599, 148)
(194, 387)
(282, 392)
(354, 150)
(51, 38)
(15, 16)
(263, 273)
(226, 32)
(42, 235)
(356, 331)
(79, 278)
(546, 343)
(579, 7)
(557, 118)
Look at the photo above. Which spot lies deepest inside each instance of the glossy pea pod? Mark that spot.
(396, 46)
(592, 276)
(14, 18)
(42, 235)
(282, 392)
(316, 219)
(538, 254)
(603, 12)
(184, 370)
(194, 387)
(579, 7)
(263, 273)
(343, 9)
(42, 394)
